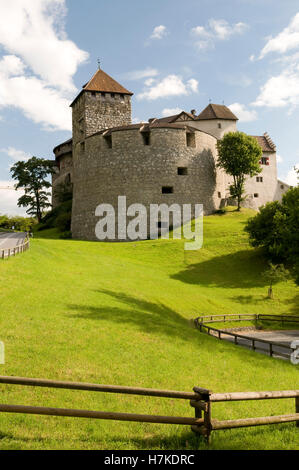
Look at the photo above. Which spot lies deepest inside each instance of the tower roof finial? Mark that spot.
(99, 64)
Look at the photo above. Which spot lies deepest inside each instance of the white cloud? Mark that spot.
(34, 31)
(150, 81)
(171, 111)
(139, 74)
(39, 102)
(16, 155)
(291, 177)
(159, 32)
(219, 30)
(193, 85)
(244, 115)
(36, 74)
(172, 85)
(286, 40)
(9, 199)
(281, 90)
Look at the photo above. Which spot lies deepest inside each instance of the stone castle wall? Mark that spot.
(138, 171)
(94, 111)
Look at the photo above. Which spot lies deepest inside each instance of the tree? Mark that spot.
(32, 177)
(276, 229)
(239, 155)
(275, 273)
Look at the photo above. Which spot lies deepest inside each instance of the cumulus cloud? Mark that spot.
(34, 32)
(171, 111)
(286, 40)
(36, 73)
(172, 85)
(244, 115)
(216, 30)
(159, 32)
(280, 90)
(39, 102)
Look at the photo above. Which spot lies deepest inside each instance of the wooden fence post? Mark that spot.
(297, 409)
(202, 404)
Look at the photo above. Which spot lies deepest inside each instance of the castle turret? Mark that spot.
(216, 119)
(102, 103)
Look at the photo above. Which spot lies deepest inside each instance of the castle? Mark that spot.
(167, 160)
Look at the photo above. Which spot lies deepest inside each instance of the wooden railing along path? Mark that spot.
(8, 252)
(200, 399)
(272, 347)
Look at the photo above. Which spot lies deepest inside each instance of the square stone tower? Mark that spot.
(102, 103)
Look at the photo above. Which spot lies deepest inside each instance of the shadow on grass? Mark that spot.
(149, 316)
(242, 269)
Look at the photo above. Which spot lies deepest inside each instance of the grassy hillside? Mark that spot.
(119, 314)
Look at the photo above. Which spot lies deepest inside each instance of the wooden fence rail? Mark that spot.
(8, 252)
(200, 399)
(202, 323)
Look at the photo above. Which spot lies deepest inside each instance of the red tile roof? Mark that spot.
(102, 82)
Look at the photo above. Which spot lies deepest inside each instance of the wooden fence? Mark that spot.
(200, 399)
(8, 252)
(272, 347)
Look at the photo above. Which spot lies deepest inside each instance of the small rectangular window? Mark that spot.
(108, 140)
(167, 190)
(219, 125)
(265, 161)
(146, 138)
(190, 139)
(182, 171)
(259, 179)
(256, 195)
(219, 195)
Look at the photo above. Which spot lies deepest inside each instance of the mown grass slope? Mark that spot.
(119, 314)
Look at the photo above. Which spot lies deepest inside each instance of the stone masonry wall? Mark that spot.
(139, 171)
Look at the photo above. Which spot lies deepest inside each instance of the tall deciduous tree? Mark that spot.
(239, 156)
(32, 175)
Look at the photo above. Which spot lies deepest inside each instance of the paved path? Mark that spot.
(280, 336)
(11, 240)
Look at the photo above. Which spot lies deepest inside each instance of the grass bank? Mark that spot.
(119, 314)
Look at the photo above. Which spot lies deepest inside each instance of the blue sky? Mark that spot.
(172, 54)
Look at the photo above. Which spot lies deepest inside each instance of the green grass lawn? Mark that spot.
(119, 313)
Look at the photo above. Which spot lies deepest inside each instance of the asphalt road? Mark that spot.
(284, 337)
(11, 240)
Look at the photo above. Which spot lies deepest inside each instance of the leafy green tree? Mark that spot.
(239, 155)
(276, 229)
(32, 177)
